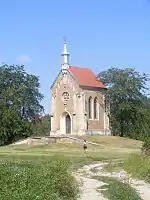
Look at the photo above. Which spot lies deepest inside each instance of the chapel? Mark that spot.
(78, 105)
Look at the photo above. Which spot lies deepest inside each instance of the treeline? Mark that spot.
(21, 114)
(128, 103)
(20, 108)
(42, 127)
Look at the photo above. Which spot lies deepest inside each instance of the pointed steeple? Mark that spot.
(65, 57)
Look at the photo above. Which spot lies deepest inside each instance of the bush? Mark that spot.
(138, 166)
(146, 146)
(47, 181)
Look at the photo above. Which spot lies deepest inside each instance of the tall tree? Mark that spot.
(19, 102)
(126, 91)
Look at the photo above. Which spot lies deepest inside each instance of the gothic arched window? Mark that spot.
(90, 107)
(96, 108)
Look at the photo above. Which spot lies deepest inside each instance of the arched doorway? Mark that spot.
(68, 124)
(65, 123)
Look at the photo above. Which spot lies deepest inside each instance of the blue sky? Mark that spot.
(100, 34)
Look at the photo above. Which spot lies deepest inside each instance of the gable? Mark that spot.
(81, 77)
(65, 77)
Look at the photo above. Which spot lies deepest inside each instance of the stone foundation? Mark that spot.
(99, 132)
(82, 133)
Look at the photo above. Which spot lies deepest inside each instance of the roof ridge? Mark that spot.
(80, 67)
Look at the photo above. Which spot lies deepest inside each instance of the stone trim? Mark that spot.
(99, 132)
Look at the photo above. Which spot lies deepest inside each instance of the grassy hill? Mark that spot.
(114, 141)
(45, 171)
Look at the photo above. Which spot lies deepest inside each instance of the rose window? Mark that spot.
(65, 97)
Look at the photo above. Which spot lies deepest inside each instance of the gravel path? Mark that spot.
(89, 185)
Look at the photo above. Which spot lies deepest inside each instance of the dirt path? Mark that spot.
(89, 186)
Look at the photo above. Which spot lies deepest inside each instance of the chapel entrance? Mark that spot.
(68, 124)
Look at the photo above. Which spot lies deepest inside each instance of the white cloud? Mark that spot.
(24, 58)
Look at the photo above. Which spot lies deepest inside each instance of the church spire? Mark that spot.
(65, 56)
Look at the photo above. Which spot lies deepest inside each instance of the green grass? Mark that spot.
(44, 172)
(72, 152)
(116, 190)
(113, 141)
(138, 166)
(49, 180)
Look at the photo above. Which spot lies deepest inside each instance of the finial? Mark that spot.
(65, 39)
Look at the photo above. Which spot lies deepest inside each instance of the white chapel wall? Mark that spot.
(65, 83)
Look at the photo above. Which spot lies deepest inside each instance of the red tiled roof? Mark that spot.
(86, 77)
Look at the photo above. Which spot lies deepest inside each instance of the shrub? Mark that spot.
(138, 166)
(146, 146)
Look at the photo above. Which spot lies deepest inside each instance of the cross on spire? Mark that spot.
(65, 39)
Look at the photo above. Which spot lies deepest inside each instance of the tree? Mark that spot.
(125, 94)
(42, 126)
(19, 102)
